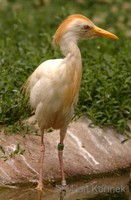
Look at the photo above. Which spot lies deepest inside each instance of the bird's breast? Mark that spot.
(72, 86)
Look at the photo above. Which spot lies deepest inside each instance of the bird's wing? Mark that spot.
(44, 69)
(55, 83)
(43, 81)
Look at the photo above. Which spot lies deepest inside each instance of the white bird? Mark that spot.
(54, 86)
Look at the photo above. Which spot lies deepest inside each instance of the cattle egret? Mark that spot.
(54, 86)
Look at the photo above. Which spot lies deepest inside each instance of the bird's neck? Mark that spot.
(72, 56)
(69, 46)
(73, 71)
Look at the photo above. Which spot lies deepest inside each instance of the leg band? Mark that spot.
(60, 147)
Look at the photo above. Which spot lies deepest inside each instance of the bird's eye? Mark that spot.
(86, 27)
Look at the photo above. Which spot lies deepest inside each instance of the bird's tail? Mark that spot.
(26, 88)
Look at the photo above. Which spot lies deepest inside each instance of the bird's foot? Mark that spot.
(63, 183)
(40, 186)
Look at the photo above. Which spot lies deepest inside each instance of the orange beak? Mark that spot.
(101, 32)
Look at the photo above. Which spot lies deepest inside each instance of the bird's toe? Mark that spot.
(40, 186)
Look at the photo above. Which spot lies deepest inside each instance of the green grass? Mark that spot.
(26, 32)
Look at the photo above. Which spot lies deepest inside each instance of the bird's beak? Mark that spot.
(101, 32)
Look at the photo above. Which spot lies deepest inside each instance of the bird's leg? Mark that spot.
(60, 154)
(42, 148)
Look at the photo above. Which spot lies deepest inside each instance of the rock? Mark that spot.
(87, 151)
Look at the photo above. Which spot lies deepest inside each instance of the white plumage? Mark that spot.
(48, 85)
(54, 86)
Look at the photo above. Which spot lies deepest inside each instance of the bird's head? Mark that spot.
(78, 27)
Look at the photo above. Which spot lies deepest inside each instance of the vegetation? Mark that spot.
(26, 30)
(17, 151)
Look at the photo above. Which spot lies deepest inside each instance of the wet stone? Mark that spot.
(87, 151)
